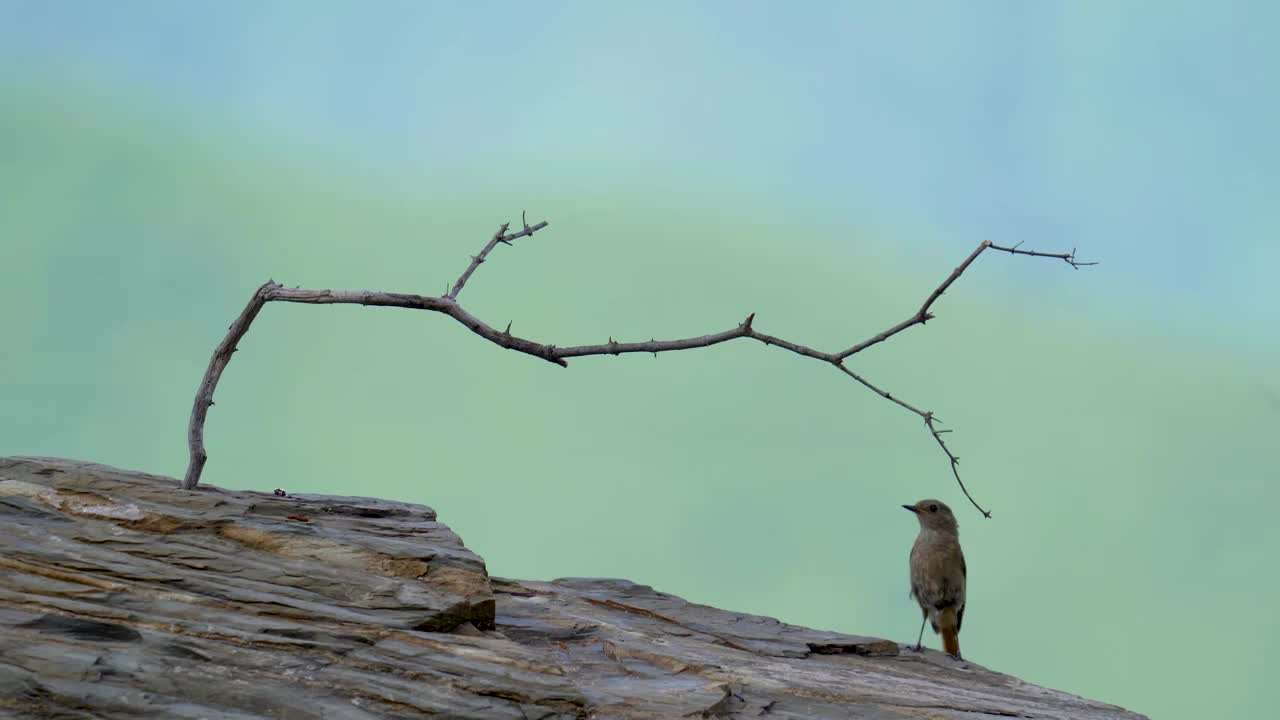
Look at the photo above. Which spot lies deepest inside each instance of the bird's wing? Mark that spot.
(951, 585)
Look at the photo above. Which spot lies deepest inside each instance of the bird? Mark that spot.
(938, 573)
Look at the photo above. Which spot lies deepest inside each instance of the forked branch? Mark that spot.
(448, 304)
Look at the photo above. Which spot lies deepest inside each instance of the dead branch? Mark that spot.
(448, 304)
(1068, 258)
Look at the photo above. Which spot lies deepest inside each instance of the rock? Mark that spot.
(122, 596)
(638, 653)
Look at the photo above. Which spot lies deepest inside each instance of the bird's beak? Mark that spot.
(912, 508)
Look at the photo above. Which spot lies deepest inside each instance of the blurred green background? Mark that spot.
(823, 166)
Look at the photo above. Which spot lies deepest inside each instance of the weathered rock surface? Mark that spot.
(122, 596)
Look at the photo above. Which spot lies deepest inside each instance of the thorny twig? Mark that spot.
(448, 304)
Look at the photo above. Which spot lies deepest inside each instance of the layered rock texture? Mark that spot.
(122, 596)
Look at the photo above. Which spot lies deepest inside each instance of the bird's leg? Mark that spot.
(920, 637)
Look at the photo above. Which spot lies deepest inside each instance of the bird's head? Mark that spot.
(934, 515)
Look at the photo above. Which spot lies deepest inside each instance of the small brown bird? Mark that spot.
(938, 572)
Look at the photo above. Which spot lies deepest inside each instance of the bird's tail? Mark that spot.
(949, 626)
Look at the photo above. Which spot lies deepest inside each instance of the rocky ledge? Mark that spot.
(123, 596)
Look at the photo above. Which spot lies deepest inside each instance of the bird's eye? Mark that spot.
(933, 508)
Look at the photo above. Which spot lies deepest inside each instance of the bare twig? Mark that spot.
(499, 237)
(448, 304)
(204, 395)
(922, 315)
(931, 422)
(1068, 258)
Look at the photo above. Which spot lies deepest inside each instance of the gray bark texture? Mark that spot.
(121, 597)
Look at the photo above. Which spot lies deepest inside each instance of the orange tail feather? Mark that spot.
(949, 627)
(951, 641)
